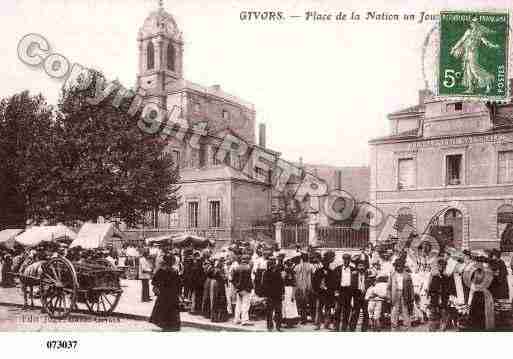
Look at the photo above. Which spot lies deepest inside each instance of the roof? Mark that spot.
(221, 172)
(413, 133)
(183, 85)
(413, 110)
(35, 235)
(160, 21)
(95, 235)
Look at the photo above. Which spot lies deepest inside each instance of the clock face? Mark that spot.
(170, 29)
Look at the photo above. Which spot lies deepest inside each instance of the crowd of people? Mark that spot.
(376, 288)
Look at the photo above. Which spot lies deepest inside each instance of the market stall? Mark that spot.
(191, 240)
(7, 237)
(96, 235)
(34, 236)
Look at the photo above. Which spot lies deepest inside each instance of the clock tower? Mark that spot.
(160, 47)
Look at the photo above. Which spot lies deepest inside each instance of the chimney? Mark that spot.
(261, 135)
(423, 95)
(338, 179)
(301, 162)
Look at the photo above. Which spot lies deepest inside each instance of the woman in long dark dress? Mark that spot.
(219, 310)
(206, 307)
(166, 285)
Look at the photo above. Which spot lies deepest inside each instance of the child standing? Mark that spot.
(376, 295)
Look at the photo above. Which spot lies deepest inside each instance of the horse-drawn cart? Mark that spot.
(63, 284)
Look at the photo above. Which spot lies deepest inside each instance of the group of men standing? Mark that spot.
(332, 297)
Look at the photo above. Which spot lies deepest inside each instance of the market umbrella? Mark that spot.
(292, 256)
(159, 239)
(191, 240)
(7, 237)
(96, 235)
(34, 236)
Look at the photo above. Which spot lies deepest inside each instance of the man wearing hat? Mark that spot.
(303, 274)
(440, 287)
(400, 291)
(273, 289)
(243, 286)
(499, 286)
(386, 263)
(341, 285)
(360, 283)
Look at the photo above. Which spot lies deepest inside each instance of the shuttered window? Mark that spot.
(454, 169)
(215, 214)
(505, 167)
(192, 214)
(406, 173)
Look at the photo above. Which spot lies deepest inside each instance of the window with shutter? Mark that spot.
(406, 173)
(215, 214)
(454, 170)
(192, 215)
(505, 167)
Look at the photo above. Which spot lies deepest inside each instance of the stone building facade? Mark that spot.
(447, 166)
(216, 197)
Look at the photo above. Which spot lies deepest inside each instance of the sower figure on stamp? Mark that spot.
(341, 285)
(360, 283)
(467, 48)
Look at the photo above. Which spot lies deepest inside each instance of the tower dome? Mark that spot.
(160, 48)
(160, 22)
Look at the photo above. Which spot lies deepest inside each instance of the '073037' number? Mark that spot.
(61, 344)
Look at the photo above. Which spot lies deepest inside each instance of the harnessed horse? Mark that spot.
(29, 270)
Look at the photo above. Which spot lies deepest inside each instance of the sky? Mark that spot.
(323, 88)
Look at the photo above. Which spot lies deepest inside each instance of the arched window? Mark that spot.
(404, 222)
(171, 57)
(452, 218)
(150, 56)
(505, 227)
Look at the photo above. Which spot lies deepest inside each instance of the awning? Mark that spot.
(7, 237)
(191, 240)
(158, 239)
(36, 235)
(96, 235)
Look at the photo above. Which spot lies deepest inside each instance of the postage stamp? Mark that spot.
(473, 57)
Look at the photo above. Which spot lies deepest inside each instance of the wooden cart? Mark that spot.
(64, 284)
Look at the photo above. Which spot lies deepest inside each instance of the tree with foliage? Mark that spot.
(26, 151)
(104, 165)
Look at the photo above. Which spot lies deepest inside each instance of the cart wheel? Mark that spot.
(58, 288)
(103, 303)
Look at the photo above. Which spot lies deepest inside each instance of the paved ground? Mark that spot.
(16, 319)
(133, 317)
